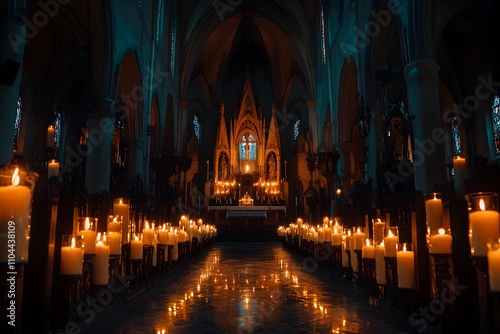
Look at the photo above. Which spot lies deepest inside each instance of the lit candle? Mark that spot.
(485, 225)
(50, 136)
(345, 256)
(114, 225)
(459, 176)
(378, 231)
(390, 242)
(71, 259)
(115, 243)
(100, 273)
(15, 205)
(163, 236)
(336, 236)
(348, 240)
(368, 250)
(406, 269)
(89, 236)
(354, 262)
(183, 222)
(380, 264)
(148, 234)
(53, 169)
(434, 214)
(325, 221)
(122, 209)
(136, 249)
(494, 266)
(359, 238)
(440, 243)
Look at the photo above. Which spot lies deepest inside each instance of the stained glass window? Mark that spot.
(296, 127)
(323, 43)
(172, 43)
(57, 130)
(249, 144)
(159, 21)
(196, 126)
(17, 126)
(455, 132)
(495, 119)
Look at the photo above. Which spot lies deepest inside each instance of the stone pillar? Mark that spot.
(12, 44)
(374, 143)
(135, 158)
(182, 127)
(313, 122)
(101, 128)
(423, 102)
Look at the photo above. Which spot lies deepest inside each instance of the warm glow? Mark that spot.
(15, 177)
(441, 231)
(359, 230)
(146, 226)
(121, 201)
(404, 248)
(99, 236)
(73, 244)
(390, 234)
(481, 205)
(99, 243)
(87, 223)
(247, 168)
(379, 221)
(382, 244)
(339, 191)
(368, 242)
(435, 198)
(136, 238)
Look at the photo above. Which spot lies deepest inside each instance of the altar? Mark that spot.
(246, 218)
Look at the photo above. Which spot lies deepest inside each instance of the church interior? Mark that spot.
(249, 166)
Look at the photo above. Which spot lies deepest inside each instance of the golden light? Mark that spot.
(481, 205)
(87, 223)
(73, 244)
(247, 168)
(15, 177)
(339, 191)
(441, 231)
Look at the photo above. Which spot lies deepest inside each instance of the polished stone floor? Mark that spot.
(250, 288)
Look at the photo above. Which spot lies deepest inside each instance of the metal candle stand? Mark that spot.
(368, 270)
(360, 264)
(486, 309)
(162, 258)
(88, 265)
(347, 272)
(69, 291)
(115, 266)
(147, 251)
(337, 257)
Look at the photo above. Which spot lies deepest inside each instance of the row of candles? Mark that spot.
(103, 245)
(484, 237)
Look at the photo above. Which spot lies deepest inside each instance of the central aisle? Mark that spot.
(250, 288)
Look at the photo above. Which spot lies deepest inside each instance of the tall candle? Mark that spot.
(89, 237)
(354, 262)
(53, 169)
(378, 231)
(459, 176)
(163, 236)
(406, 269)
(359, 238)
(114, 225)
(71, 259)
(494, 268)
(100, 273)
(368, 250)
(136, 249)
(184, 221)
(122, 209)
(484, 225)
(15, 205)
(390, 242)
(147, 234)
(115, 243)
(336, 237)
(50, 136)
(440, 243)
(380, 272)
(434, 214)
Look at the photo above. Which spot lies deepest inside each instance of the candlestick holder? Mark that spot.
(162, 251)
(359, 263)
(485, 299)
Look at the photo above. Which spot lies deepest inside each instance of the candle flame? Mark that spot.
(115, 219)
(136, 238)
(104, 237)
(435, 198)
(73, 244)
(368, 242)
(481, 205)
(390, 234)
(379, 221)
(335, 230)
(121, 201)
(15, 177)
(99, 236)
(382, 244)
(99, 243)
(441, 231)
(146, 226)
(404, 248)
(87, 223)
(359, 230)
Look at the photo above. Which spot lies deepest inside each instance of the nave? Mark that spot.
(251, 288)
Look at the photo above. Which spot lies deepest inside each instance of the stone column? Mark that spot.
(12, 44)
(182, 127)
(423, 102)
(374, 143)
(313, 122)
(101, 128)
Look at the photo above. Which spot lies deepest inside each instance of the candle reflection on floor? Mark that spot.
(246, 288)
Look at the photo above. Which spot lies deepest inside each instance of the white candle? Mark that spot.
(100, 273)
(50, 136)
(368, 251)
(148, 234)
(440, 243)
(114, 225)
(163, 236)
(354, 262)
(380, 264)
(378, 231)
(15, 202)
(494, 269)
(434, 214)
(328, 234)
(406, 269)
(115, 243)
(359, 238)
(122, 209)
(459, 176)
(484, 225)
(136, 249)
(390, 242)
(71, 259)
(183, 221)
(336, 237)
(53, 169)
